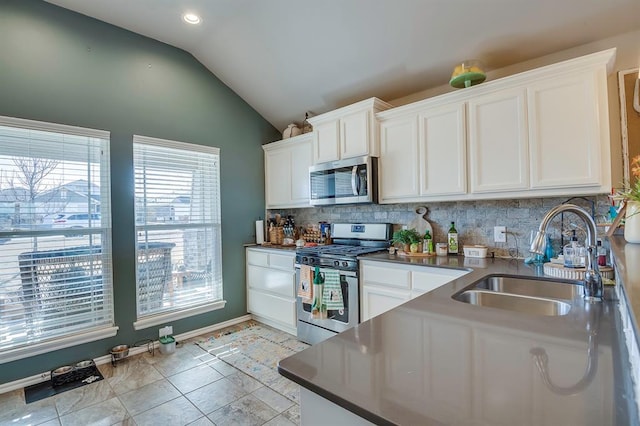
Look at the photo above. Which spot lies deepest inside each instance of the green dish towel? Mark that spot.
(332, 292)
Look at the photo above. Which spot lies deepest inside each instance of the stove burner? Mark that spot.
(335, 256)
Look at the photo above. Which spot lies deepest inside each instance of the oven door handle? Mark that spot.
(352, 274)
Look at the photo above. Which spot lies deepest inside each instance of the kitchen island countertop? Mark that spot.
(435, 360)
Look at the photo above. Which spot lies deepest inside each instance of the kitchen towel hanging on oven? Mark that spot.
(332, 292)
(305, 289)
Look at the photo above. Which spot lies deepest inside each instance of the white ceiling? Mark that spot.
(285, 57)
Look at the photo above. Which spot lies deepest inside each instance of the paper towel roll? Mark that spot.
(259, 231)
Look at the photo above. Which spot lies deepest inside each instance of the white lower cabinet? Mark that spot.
(271, 287)
(385, 285)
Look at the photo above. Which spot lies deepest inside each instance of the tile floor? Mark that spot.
(189, 387)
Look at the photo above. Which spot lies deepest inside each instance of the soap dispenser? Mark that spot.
(574, 253)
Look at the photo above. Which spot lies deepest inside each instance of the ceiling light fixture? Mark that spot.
(191, 18)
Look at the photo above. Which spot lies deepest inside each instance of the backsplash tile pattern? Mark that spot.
(474, 219)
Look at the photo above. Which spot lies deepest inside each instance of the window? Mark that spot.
(177, 209)
(55, 248)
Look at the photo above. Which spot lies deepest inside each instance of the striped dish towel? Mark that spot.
(332, 293)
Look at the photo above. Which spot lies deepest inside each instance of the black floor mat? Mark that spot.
(46, 389)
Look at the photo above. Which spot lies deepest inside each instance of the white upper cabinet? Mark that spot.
(443, 153)
(499, 159)
(423, 154)
(286, 165)
(347, 132)
(399, 158)
(564, 131)
(543, 132)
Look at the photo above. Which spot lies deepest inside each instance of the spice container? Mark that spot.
(441, 249)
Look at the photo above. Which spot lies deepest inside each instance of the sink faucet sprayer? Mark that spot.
(592, 280)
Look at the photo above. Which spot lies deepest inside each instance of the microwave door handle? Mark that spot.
(354, 180)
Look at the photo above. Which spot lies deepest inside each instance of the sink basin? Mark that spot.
(522, 294)
(531, 287)
(514, 302)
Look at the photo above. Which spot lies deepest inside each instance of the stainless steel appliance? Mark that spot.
(349, 241)
(354, 180)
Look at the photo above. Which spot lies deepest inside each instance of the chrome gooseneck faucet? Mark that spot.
(593, 288)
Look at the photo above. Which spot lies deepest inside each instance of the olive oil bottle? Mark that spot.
(452, 239)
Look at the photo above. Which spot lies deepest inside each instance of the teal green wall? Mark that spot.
(63, 67)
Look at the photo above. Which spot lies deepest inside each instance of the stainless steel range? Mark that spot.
(349, 242)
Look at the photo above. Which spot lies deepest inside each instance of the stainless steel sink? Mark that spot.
(513, 302)
(531, 287)
(521, 294)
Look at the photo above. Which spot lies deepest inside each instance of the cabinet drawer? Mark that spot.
(259, 258)
(279, 282)
(281, 262)
(387, 276)
(424, 281)
(273, 307)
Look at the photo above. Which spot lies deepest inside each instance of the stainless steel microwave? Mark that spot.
(350, 181)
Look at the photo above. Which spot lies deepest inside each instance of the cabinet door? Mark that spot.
(443, 154)
(278, 177)
(354, 134)
(301, 159)
(399, 161)
(564, 130)
(326, 141)
(376, 301)
(498, 142)
(280, 309)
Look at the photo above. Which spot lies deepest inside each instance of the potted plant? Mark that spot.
(410, 240)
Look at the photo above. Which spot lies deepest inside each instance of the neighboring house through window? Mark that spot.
(55, 256)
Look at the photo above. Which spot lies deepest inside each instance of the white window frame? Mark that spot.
(146, 320)
(90, 334)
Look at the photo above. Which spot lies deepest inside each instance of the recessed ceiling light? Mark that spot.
(191, 18)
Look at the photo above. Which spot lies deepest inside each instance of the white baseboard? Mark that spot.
(105, 359)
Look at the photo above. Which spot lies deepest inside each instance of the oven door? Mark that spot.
(337, 320)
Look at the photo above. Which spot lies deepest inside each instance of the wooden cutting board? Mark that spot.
(420, 222)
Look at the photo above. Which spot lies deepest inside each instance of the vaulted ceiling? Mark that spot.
(285, 57)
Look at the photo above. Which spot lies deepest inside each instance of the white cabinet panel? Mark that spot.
(354, 134)
(327, 141)
(271, 286)
(286, 165)
(271, 280)
(348, 132)
(499, 159)
(564, 129)
(376, 300)
(399, 159)
(432, 278)
(387, 274)
(280, 261)
(273, 307)
(443, 154)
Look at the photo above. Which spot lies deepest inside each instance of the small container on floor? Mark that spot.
(167, 345)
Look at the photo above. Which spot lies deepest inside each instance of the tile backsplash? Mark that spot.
(474, 219)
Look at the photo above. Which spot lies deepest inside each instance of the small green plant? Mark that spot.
(406, 236)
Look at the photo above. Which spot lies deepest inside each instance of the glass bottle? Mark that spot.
(427, 243)
(602, 254)
(452, 239)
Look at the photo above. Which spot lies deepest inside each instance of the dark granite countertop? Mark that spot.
(435, 360)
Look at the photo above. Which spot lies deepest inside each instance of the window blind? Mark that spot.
(178, 226)
(55, 234)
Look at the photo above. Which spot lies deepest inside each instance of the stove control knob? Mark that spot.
(311, 261)
(305, 259)
(336, 263)
(345, 264)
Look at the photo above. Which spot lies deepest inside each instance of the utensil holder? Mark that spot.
(276, 235)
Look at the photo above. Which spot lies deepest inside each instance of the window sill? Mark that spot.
(58, 343)
(164, 317)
